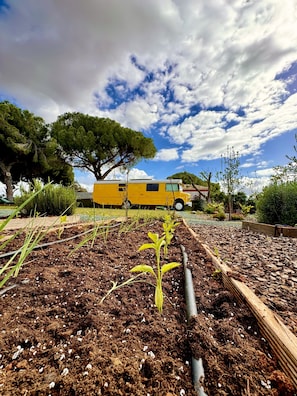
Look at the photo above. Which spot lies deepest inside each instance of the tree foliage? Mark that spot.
(277, 204)
(100, 145)
(27, 151)
(188, 178)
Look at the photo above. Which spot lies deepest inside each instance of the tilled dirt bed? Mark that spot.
(58, 339)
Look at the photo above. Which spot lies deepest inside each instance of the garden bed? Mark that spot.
(57, 339)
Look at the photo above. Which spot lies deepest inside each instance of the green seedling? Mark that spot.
(127, 226)
(217, 272)
(216, 252)
(116, 286)
(12, 268)
(13, 265)
(156, 245)
(63, 221)
(90, 236)
(169, 226)
(104, 233)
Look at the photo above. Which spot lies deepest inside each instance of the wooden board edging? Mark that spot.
(269, 229)
(281, 340)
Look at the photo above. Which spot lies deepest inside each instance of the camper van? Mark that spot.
(143, 192)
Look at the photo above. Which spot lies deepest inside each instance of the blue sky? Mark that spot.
(195, 76)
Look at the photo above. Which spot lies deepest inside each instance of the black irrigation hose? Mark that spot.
(197, 365)
(8, 254)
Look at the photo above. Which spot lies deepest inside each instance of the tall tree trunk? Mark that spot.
(7, 178)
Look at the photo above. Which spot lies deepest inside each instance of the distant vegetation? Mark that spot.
(55, 200)
(277, 204)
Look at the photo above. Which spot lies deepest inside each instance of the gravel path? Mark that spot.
(267, 264)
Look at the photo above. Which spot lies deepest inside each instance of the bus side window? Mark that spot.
(122, 187)
(152, 187)
(172, 187)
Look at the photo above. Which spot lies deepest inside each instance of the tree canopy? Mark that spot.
(100, 145)
(188, 178)
(27, 151)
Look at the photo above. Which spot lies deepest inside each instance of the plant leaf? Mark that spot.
(147, 246)
(154, 237)
(167, 267)
(143, 268)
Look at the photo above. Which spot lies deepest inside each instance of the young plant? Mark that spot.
(127, 226)
(156, 244)
(116, 286)
(63, 220)
(169, 226)
(216, 273)
(216, 251)
(12, 268)
(13, 265)
(90, 236)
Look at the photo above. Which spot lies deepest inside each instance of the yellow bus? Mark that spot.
(141, 192)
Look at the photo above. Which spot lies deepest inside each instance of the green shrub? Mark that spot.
(55, 200)
(220, 215)
(237, 217)
(245, 209)
(198, 204)
(214, 207)
(277, 204)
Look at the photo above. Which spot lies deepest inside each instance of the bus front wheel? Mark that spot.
(179, 205)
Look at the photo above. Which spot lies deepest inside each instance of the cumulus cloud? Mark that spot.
(63, 51)
(167, 154)
(204, 75)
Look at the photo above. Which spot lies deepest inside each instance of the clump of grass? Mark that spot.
(90, 236)
(33, 237)
(13, 265)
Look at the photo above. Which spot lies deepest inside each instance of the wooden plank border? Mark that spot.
(281, 340)
(271, 230)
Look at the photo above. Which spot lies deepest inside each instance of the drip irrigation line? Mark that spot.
(197, 365)
(8, 254)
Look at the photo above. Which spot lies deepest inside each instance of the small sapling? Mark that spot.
(159, 271)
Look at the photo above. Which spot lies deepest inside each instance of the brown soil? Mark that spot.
(57, 339)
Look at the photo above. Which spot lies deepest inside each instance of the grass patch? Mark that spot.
(107, 213)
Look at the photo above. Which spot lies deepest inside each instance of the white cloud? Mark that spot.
(58, 56)
(63, 51)
(253, 163)
(167, 154)
(137, 115)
